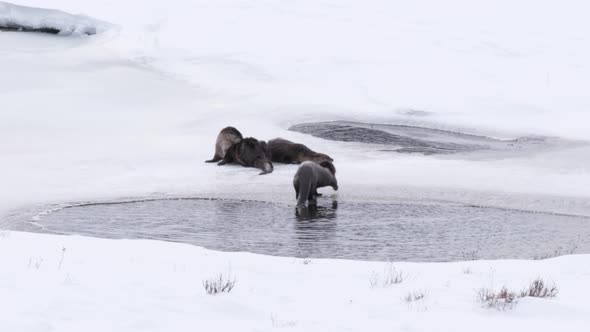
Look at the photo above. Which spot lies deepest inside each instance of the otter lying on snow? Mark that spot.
(248, 152)
(311, 176)
(231, 147)
(285, 151)
(227, 137)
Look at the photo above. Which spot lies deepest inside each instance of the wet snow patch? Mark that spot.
(350, 230)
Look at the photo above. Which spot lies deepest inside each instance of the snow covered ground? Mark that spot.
(56, 283)
(134, 111)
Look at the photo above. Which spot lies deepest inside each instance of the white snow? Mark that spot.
(14, 16)
(134, 111)
(75, 283)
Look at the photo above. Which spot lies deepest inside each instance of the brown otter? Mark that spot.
(248, 152)
(309, 177)
(285, 151)
(227, 137)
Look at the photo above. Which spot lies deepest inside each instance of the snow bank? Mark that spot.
(47, 20)
(72, 283)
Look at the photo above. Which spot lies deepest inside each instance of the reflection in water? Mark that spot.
(314, 228)
(314, 212)
(395, 231)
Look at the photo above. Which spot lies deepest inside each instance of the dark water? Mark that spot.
(14, 27)
(401, 231)
(411, 139)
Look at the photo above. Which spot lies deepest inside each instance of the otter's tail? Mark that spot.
(304, 188)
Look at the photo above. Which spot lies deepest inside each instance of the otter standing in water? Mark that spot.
(309, 177)
(285, 151)
(227, 137)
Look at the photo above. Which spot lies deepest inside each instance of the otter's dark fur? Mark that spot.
(227, 137)
(285, 151)
(248, 152)
(309, 177)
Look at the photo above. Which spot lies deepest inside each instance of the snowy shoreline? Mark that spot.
(72, 283)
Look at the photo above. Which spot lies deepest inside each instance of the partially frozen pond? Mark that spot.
(394, 231)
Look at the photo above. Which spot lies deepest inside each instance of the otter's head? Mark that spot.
(252, 152)
(320, 158)
(330, 167)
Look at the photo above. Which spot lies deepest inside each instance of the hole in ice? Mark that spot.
(368, 231)
(52, 31)
(411, 139)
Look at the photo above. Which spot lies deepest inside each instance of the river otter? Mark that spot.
(285, 151)
(248, 152)
(311, 176)
(227, 137)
